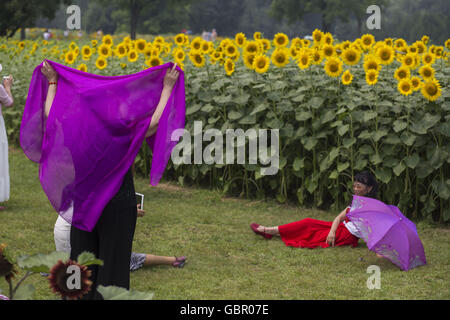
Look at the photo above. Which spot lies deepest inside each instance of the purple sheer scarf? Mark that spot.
(94, 131)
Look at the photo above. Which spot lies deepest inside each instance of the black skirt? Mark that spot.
(111, 240)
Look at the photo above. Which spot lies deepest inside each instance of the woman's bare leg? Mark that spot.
(269, 230)
(152, 260)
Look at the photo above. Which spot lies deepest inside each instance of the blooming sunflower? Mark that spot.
(70, 57)
(252, 47)
(179, 54)
(257, 35)
(86, 51)
(179, 39)
(280, 57)
(104, 50)
(133, 55)
(431, 89)
(107, 40)
(402, 73)
(371, 77)
(317, 36)
(249, 58)
(428, 58)
(229, 67)
(231, 50)
(280, 40)
(304, 58)
(447, 44)
(82, 67)
(316, 57)
(265, 44)
(405, 87)
(416, 83)
(59, 276)
(367, 41)
(101, 63)
(328, 38)
(261, 63)
(196, 44)
(427, 72)
(400, 43)
(371, 63)
(240, 39)
(421, 47)
(197, 59)
(333, 67)
(351, 56)
(154, 61)
(328, 51)
(121, 50)
(347, 78)
(409, 60)
(140, 45)
(385, 55)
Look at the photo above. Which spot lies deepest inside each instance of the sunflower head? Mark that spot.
(197, 59)
(280, 40)
(427, 72)
(257, 35)
(428, 58)
(261, 63)
(101, 63)
(317, 36)
(59, 278)
(351, 56)
(416, 83)
(70, 57)
(385, 55)
(179, 39)
(140, 45)
(104, 50)
(347, 78)
(371, 77)
(304, 59)
(402, 73)
(333, 67)
(409, 60)
(153, 61)
(431, 90)
(240, 39)
(82, 67)
(252, 47)
(280, 57)
(367, 41)
(405, 87)
(133, 55)
(316, 57)
(328, 51)
(229, 67)
(107, 40)
(249, 58)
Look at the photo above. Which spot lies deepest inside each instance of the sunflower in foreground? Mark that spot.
(405, 87)
(367, 41)
(240, 39)
(133, 55)
(371, 77)
(431, 90)
(261, 63)
(402, 73)
(101, 63)
(104, 50)
(229, 67)
(82, 67)
(385, 55)
(280, 57)
(179, 39)
(249, 58)
(304, 59)
(317, 36)
(428, 58)
(416, 83)
(347, 78)
(140, 45)
(70, 57)
(154, 61)
(59, 278)
(121, 50)
(427, 72)
(280, 40)
(351, 56)
(371, 63)
(197, 59)
(333, 67)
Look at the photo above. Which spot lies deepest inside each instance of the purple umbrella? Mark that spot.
(387, 232)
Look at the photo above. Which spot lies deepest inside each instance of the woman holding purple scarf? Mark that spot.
(112, 233)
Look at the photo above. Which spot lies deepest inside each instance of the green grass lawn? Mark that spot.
(226, 260)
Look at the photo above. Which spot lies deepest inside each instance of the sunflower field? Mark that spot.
(341, 107)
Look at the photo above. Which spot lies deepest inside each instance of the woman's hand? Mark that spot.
(171, 78)
(8, 81)
(331, 238)
(48, 71)
(140, 213)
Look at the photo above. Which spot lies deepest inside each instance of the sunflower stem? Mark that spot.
(20, 282)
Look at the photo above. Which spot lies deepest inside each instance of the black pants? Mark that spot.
(110, 241)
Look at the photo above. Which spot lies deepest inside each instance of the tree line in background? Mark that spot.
(346, 19)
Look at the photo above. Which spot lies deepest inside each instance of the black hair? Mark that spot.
(369, 180)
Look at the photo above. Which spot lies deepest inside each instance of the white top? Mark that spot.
(352, 227)
(5, 99)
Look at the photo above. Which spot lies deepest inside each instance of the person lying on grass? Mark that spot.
(312, 233)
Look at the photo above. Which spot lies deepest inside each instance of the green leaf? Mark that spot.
(369, 115)
(316, 102)
(298, 98)
(242, 99)
(208, 108)
(444, 129)
(223, 99)
(193, 109)
(376, 159)
(303, 115)
(88, 258)
(399, 125)
(348, 142)
(333, 175)
(379, 134)
(412, 161)
(298, 164)
(234, 115)
(310, 143)
(248, 119)
(41, 262)
(408, 138)
(398, 169)
(383, 174)
(328, 116)
(342, 166)
(343, 129)
(117, 293)
(259, 108)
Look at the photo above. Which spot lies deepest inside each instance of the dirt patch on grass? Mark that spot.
(172, 188)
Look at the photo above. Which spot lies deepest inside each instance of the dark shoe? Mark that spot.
(179, 262)
(255, 226)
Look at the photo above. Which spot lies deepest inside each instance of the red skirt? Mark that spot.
(311, 233)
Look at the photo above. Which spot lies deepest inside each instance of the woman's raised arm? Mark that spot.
(52, 77)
